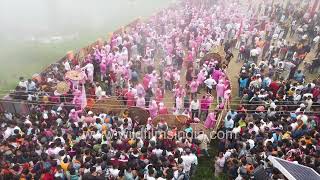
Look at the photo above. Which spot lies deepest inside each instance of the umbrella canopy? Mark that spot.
(74, 75)
(139, 115)
(62, 87)
(211, 57)
(107, 105)
(178, 121)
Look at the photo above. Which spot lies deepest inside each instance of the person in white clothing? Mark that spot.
(204, 140)
(66, 65)
(90, 71)
(210, 83)
(188, 161)
(194, 107)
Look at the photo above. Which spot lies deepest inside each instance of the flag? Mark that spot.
(240, 29)
(83, 98)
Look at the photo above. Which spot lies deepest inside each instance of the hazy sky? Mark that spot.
(29, 29)
(37, 17)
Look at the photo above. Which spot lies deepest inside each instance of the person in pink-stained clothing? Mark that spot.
(199, 40)
(77, 99)
(217, 73)
(110, 59)
(167, 80)
(103, 69)
(210, 120)
(220, 89)
(74, 115)
(169, 48)
(159, 94)
(194, 88)
(162, 109)
(201, 77)
(153, 109)
(179, 91)
(146, 82)
(179, 105)
(129, 96)
(205, 103)
(140, 90)
(141, 102)
(227, 95)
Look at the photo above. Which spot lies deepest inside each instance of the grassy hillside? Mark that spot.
(23, 57)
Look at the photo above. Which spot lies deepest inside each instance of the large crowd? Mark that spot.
(159, 66)
(279, 107)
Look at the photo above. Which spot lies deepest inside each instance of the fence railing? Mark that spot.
(23, 107)
(15, 107)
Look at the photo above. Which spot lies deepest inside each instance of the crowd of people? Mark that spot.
(279, 107)
(61, 136)
(159, 65)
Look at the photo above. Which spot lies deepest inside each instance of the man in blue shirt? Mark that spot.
(298, 76)
(243, 83)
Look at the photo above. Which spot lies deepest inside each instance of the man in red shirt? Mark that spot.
(274, 87)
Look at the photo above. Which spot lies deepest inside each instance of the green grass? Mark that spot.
(205, 169)
(24, 58)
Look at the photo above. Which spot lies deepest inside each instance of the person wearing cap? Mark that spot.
(89, 119)
(301, 108)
